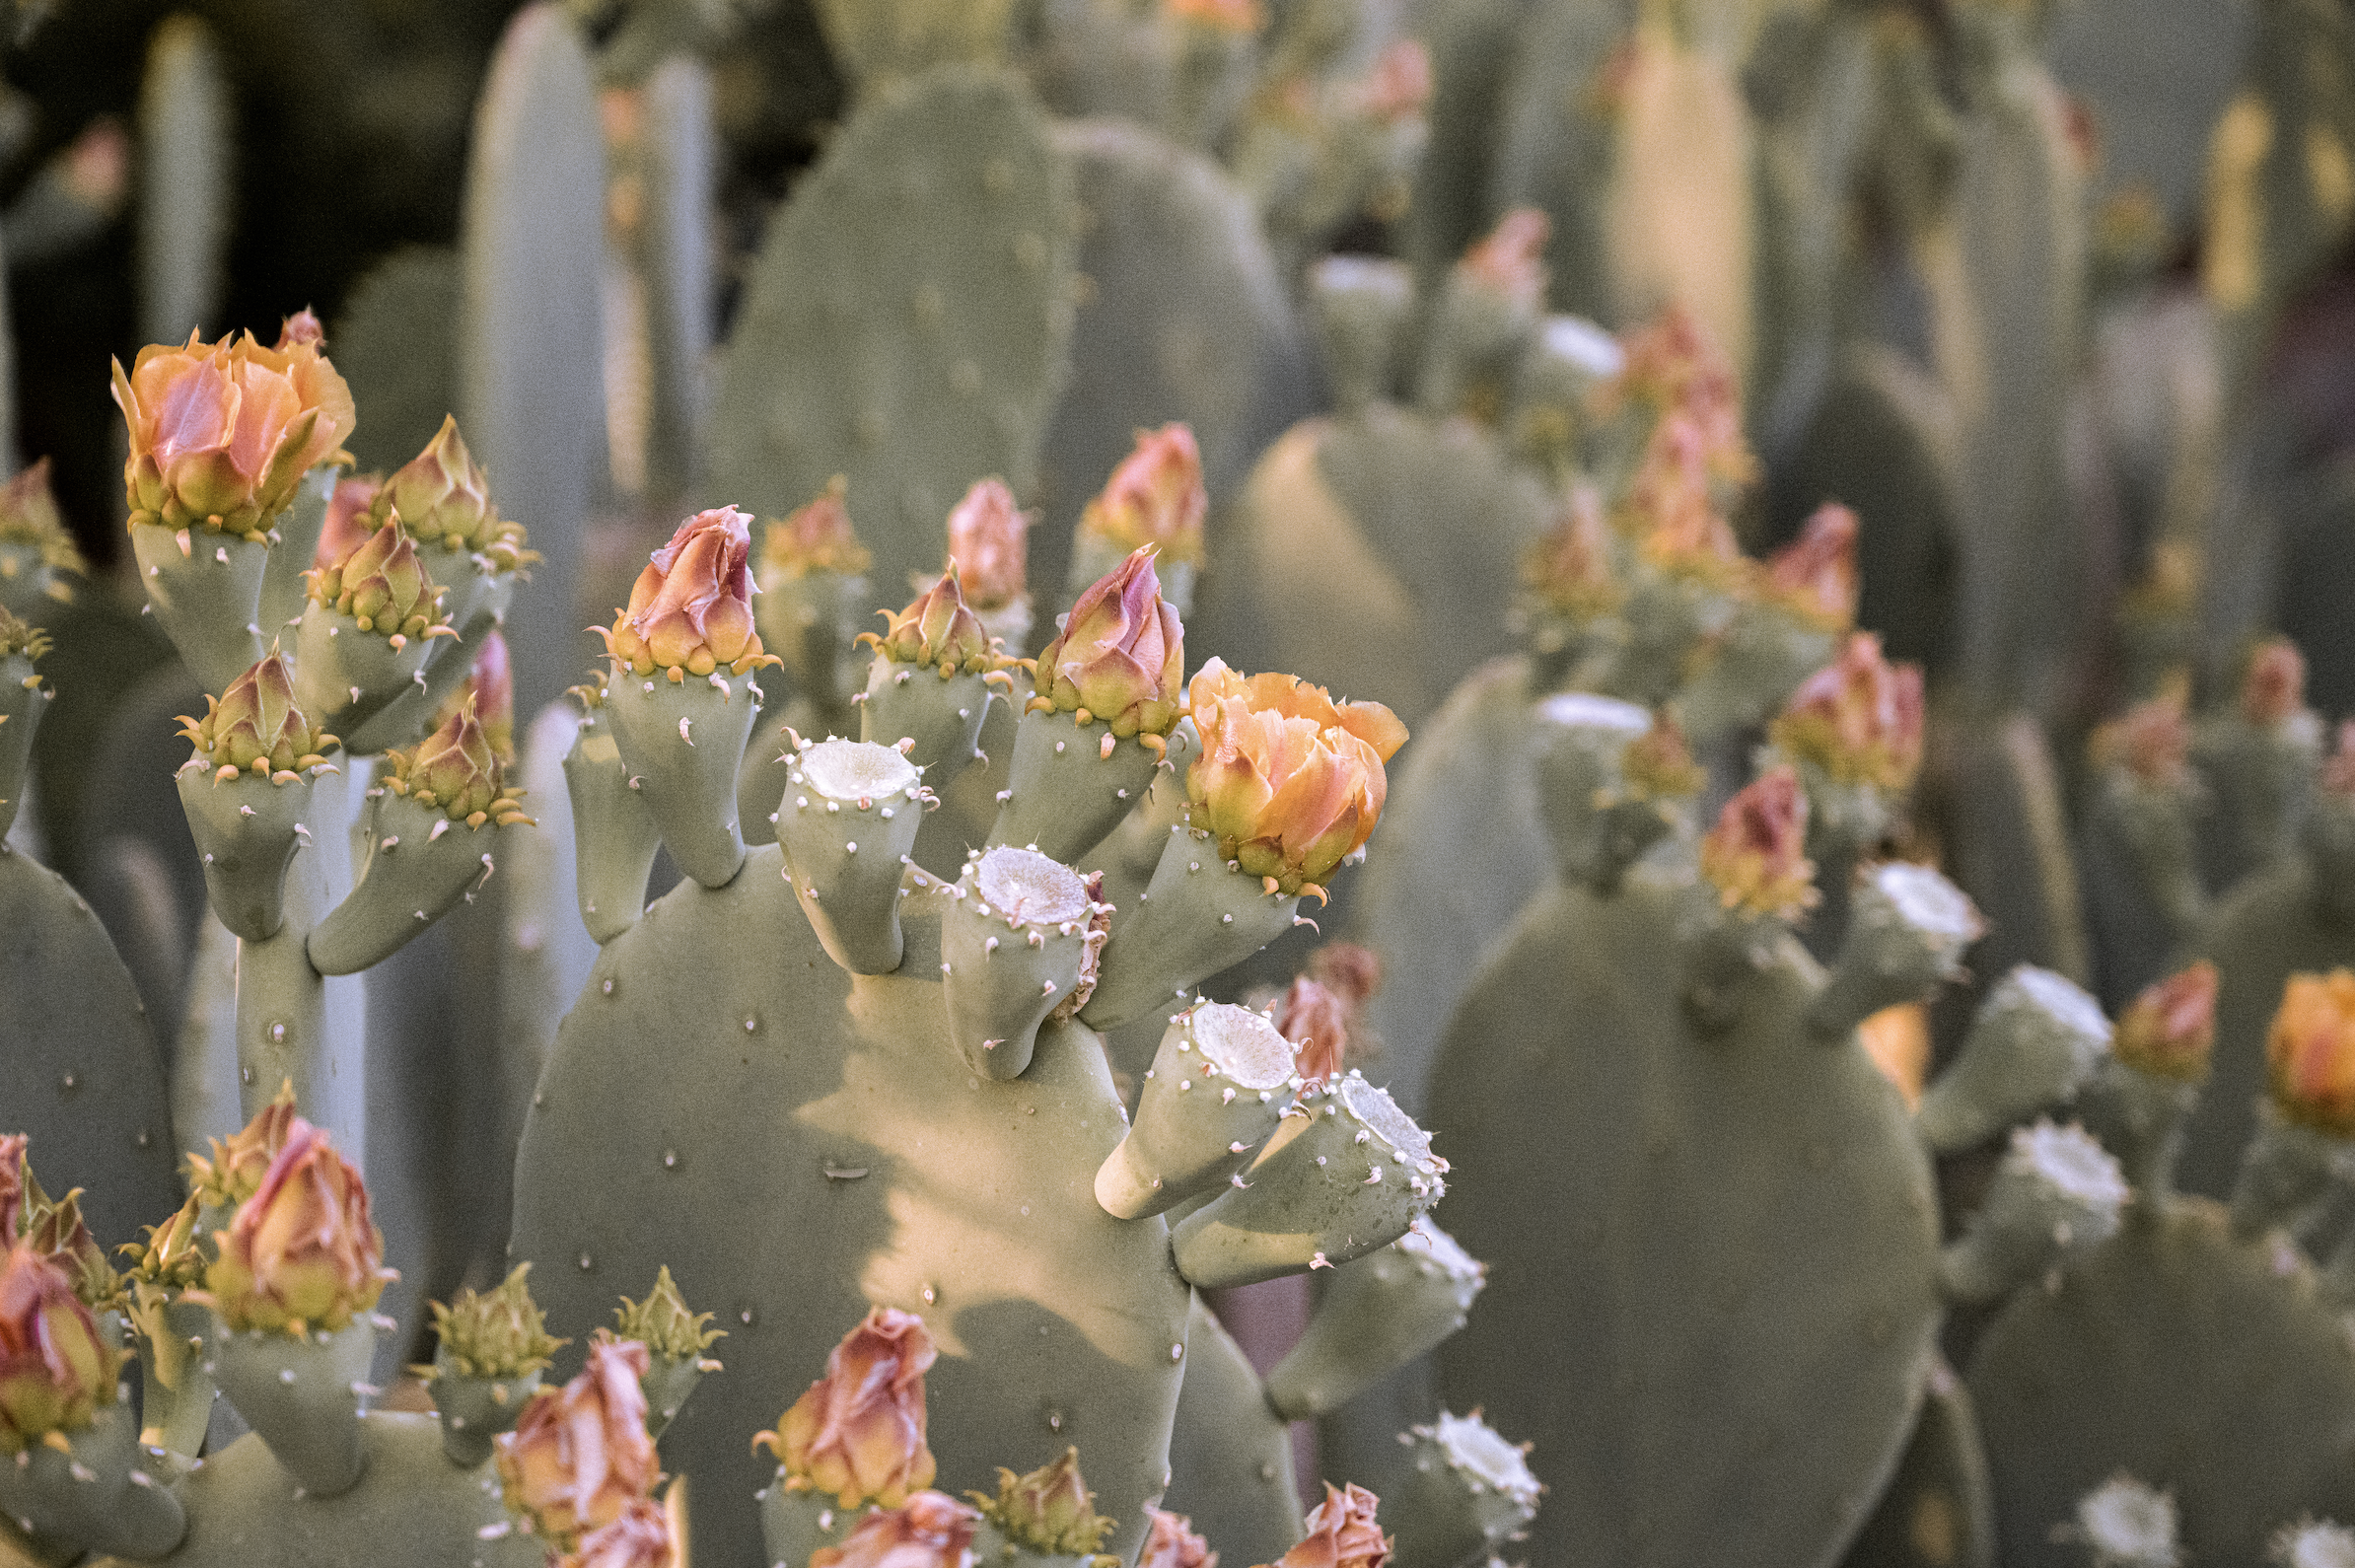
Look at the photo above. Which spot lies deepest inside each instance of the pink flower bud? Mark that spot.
(1399, 86)
(1120, 654)
(931, 1531)
(1172, 1544)
(302, 331)
(12, 1187)
(639, 1539)
(222, 433)
(1757, 855)
(442, 493)
(1671, 505)
(302, 1253)
(1155, 497)
(938, 630)
(858, 1432)
(1814, 575)
(1321, 1013)
(579, 1456)
(1290, 781)
(815, 538)
(990, 545)
(1511, 259)
(55, 1368)
(255, 727)
(235, 1171)
(1342, 1533)
(348, 524)
(1859, 718)
(692, 609)
(2273, 689)
(29, 516)
(2170, 1028)
(489, 690)
(2309, 1052)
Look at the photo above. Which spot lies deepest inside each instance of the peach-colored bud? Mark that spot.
(1658, 764)
(382, 586)
(1342, 1533)
(641, 1538)
(1155, 497)
(1119, 655)
(255, 727)
(990, 545)
(1671, 505)
(348, 524)
(1511, 258)
(1755, 856)
(858, 1432)
(55, 1368)
(1317, 1023)
(579, 1456)
(1050, 1511)
(29, 515)
(1289, 781)
(2152, 740)
(938, 630)
(235, 1171)
(1814, 575)
(2273, 689)
(814, 537)
(1859, 718)
(930, 1531)
(2170, 1028)
(456, 770)
(1172, 1544)
(489, 689)
(2311, 1052)
(1569, 566)
(1239, 17)
(302, 1253)
(1399, 86)
(222, 433)
(442, 493)
(692, 609)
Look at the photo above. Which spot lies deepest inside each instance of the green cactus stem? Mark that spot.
(794, 1523)
(90, 1493)
(2037, 1038)
(614, 836)
(1378, 1313)
(284, 591)
(1471, 1492)
(682, 740)
(1217, 1088)
(1199, 915)
(1360, 305)
(2286, 1175)
(847, 824)
(1020, 941)
(22, 700)
(1347, 1173)
(205, 589)
(1909, 928)
(1073, 781)
(2055, 1197)
(303, 1398)
(350, 666)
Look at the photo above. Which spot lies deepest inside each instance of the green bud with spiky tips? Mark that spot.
(232, 1171)
(37, 553)
(254, 727)
(456, 770)
(675, 1339)
(248, 791)
(932, 679)
(54, 1229)
(494, 1345)
(175, 1389)
(171, 1257)
(1050, 1511)
(938, 631)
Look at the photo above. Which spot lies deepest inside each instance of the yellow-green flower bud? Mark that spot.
(33, 533)
(55, 1229)
(170, 1258)
(662, 1323)
(440, 494)
(495, 1333)
(456, 769)
(382, 586)
(1051, 1511)
(255, 725)
(235, 1171)
(938, 630)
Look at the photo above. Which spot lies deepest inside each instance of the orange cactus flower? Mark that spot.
(2309, 1052)
(858, 1432)
(1859, 718)
(2170, 1030)
(690, 610)
(1755, 856)
(1289, 781)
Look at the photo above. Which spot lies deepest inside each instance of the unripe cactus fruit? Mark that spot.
(849, 818)
(1217, 1088)
(1019, 941)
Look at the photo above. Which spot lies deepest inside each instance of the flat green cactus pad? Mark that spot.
(799, 1145)
(395, 343)
(1230, 1456)
(907, 319)
(2194, 1362)
(1938, 1511)
(78, 1069)
(413, 1507)
(1710, 1299)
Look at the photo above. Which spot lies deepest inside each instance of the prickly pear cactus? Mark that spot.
(186, 195)
(866, 346)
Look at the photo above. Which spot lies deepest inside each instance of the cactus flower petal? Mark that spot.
(302, 1250)
(1342, 1533)
(220, 433)
(929, 1531)
(859, 1431)
(579, 1457)
(2309, 1052)
(691, 608)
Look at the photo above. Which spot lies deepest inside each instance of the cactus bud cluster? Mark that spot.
(495, 1333)
(222, 433)
(255, 728)
(384, 587)
(690, 610)
(456, 770)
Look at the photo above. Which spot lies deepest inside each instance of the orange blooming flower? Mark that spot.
(1155, 497)
(930, 1531)
(55, 1368)
(579, 1457)
(640, 1538)
(990, 545)
(1342, 1533)
(1172, 1544)
(2311, 1052)
(858, 1432)
(814, 537)
(1120, 654)
(222, 433)
(1757, 855)
(1859, 718)
(1290, 781)
(1814, 575)
(301, 1251)
(2170, 1028)
(1511, 258)
(2273, 689)
(690, 610)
